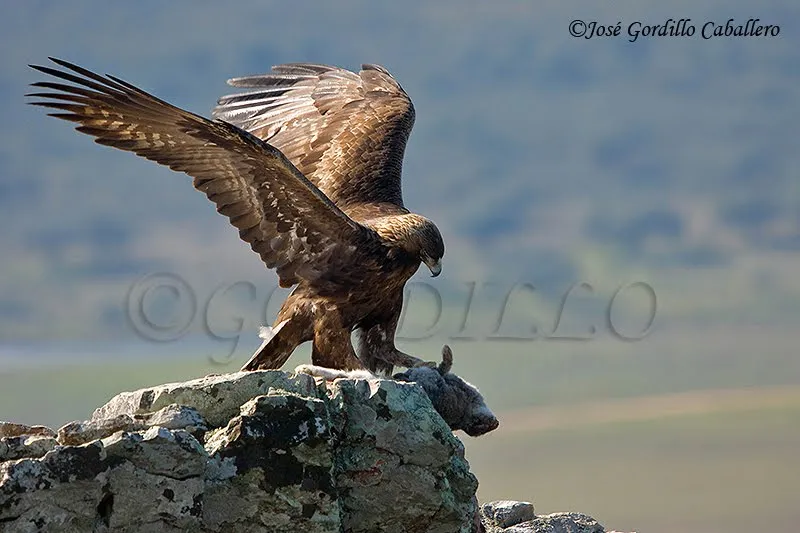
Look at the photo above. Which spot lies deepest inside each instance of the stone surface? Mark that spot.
(395, 455)
(254, 451)
(77, 433)
(518, 517)
(216, 398)
(558, 523)
(10, 429)
(505, 513)
(172, 416)
(25, 446)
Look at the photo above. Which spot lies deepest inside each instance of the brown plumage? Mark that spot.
(307, 168)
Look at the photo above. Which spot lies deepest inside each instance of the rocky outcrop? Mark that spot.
(518, 517)
(253, 452)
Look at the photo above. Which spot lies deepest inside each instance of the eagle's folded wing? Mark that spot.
(346, 132)
(284, 217)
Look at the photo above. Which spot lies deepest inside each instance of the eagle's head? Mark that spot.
(415, 235)
(433, 250)
(425, 242)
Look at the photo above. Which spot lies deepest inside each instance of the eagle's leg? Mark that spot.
(378, 352)
(332, 346)
(280, 341)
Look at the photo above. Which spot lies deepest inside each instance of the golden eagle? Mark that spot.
(307, 167)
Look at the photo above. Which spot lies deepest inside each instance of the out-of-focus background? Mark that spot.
(585, 189)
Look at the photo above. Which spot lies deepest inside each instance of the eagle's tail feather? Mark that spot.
(279, 343)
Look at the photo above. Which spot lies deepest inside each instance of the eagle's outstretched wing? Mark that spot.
(287, 220)
(346, 132)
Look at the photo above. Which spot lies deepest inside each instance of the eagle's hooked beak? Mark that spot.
(434, 265)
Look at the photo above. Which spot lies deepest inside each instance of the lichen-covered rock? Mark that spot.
(252, 451)
(176, 416)
(77, 432)
(282, 450)
(505, 513)
(156, 481)
(25, 446)
(518, 517)
(216, 397)
(59, 492)
(172, 416)
(559, 523)
(394, 455)
(10, 429)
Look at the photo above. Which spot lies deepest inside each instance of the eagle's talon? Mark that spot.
(304, 369)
